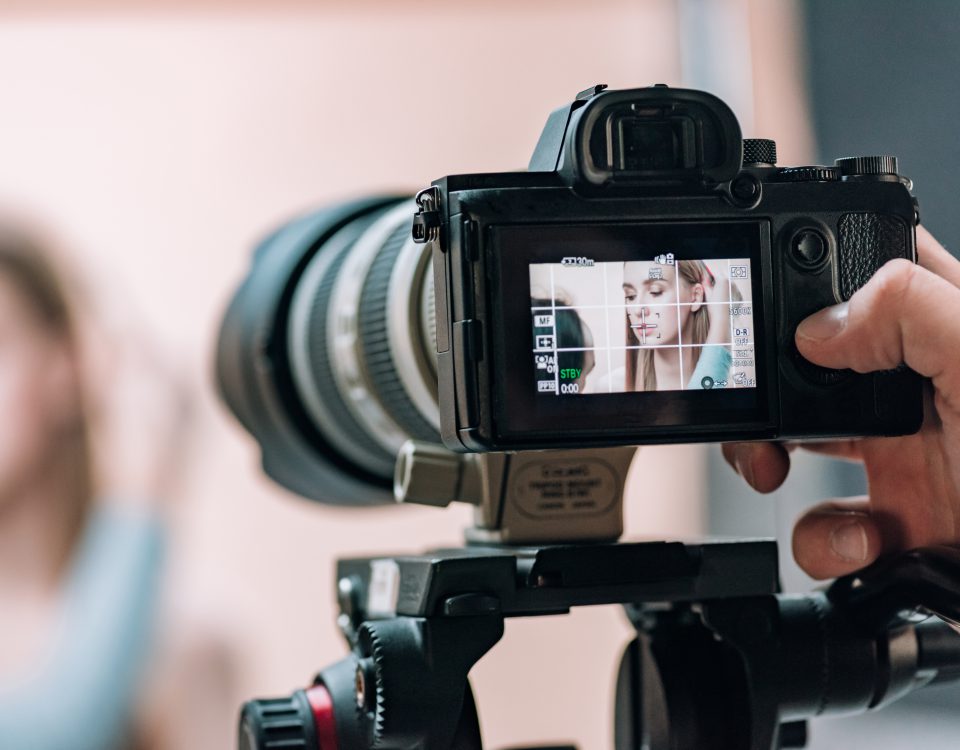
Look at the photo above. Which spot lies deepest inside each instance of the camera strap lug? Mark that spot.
(426, 222)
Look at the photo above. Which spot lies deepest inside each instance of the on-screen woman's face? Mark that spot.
(650, 293)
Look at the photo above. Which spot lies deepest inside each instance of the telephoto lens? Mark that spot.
(326, 354)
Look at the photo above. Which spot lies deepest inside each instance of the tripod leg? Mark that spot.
(680, 688)
(467, 735)
(640, 711)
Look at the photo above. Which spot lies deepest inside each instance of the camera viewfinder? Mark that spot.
(641, 144)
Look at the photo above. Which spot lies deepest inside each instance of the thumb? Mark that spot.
(834, 539)
(904, 313)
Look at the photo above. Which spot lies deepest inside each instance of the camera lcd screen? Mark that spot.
(643, 324)
(628, 328)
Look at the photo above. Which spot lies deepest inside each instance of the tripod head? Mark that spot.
(722, 660)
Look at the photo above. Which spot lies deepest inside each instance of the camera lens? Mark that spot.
(327, 353)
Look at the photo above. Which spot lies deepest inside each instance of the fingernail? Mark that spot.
(824, 324)
(849, 541)
(741, 459)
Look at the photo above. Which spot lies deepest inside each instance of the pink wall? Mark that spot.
(160, 144)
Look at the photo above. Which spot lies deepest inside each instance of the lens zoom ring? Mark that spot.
(376, 345)
(317, 341)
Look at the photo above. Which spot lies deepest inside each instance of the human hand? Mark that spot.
(905, 313)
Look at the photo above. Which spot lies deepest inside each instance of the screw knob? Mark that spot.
(430, 474)
(278, 724)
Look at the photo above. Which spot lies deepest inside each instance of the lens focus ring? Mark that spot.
(313, 364)
(373, 325)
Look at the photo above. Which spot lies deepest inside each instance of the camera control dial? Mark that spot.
(808, 174)
(810, 249)
(868, 166)
(761, 151)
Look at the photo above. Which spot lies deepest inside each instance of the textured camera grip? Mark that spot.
(867, 241)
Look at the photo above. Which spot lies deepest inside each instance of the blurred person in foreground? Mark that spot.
(89, 436)
(905, 314)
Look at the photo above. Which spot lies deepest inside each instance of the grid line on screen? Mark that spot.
(676, 277)
(601, 307)
(638, 347)
(606, 319)
(556, 340)
(733, 343)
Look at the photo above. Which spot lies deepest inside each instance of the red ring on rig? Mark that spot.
(323, 719)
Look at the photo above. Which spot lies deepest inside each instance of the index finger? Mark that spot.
(763, 465)
(934, 257)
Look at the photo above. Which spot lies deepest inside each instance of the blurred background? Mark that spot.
(152, 144)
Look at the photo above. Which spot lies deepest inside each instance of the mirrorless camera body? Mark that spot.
(643, 281)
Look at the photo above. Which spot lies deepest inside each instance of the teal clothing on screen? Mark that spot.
(80, 696)
(714, 363)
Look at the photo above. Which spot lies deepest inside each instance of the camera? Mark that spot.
(643, 281)
(640, 283)
(504, 340)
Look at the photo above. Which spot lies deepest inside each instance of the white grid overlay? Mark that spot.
(622, 307)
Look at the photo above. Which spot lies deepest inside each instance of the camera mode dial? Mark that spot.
(878, 167)
(759, 151)
(808, 174)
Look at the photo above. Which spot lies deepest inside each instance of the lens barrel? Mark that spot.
(327, 351)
